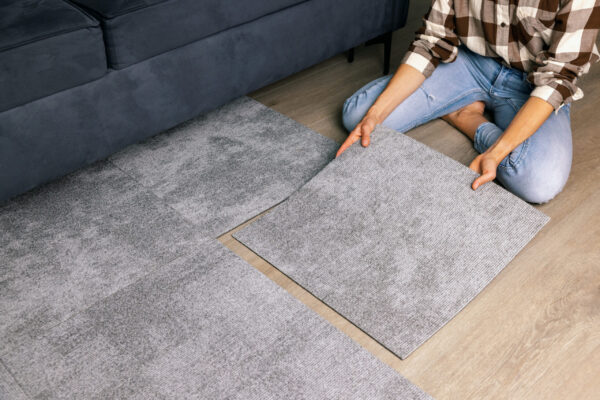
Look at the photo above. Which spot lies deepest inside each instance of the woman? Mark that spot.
(519, 58)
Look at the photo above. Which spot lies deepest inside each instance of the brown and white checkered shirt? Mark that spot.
(553, 40)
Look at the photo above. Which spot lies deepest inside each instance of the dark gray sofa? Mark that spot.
(81, 79)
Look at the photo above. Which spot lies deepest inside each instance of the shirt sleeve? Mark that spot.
(435, 40)
(571, 51)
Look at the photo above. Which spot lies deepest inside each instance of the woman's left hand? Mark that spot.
(485, 165)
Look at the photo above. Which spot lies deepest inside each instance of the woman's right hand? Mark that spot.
(362, 131)
(405, 81)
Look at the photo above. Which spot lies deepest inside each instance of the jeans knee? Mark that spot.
(539, 186)
(357, 105)
(541, 168)
(541, 195)
(352, 113)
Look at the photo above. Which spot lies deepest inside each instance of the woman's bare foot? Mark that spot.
(467, 119)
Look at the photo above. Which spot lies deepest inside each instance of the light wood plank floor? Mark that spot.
(534, 332)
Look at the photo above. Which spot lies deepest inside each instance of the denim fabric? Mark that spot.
(536, 170)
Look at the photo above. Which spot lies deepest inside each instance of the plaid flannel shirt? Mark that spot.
(553, 40)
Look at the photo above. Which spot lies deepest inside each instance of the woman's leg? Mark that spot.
(356, 106)
(467, 119)
(451, 86)
(538, 169)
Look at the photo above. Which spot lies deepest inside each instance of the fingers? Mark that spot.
(486, 177)
(350, 140)
(362, 130)
(366, 135)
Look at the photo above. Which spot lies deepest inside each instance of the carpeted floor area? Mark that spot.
(73, 242)
(113, 284)
(77, 240)
(227, 166)
(207, 326)
(393, 238)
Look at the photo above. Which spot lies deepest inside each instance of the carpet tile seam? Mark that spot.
(531, 215)
(154, 194)
(12, 375)
(321, 300)
(306, 309)
(153, 267)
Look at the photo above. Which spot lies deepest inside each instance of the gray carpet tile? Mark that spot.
(393, 237)
(73, 242)
(229, 165)
(206, 326)
(9, 388)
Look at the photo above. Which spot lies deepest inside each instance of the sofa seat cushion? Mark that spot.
(46, 46)
(139, 29)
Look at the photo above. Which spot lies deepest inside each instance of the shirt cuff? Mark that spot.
(421, 63)
(554, 93)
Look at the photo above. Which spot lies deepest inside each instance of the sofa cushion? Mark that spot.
(46, 46)
(139, 29)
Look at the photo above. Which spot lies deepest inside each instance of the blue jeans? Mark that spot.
(536, 170)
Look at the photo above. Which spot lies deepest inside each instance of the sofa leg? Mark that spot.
(387, 52)
(350, 55)
(386, 39)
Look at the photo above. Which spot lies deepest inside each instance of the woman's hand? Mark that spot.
(362, 131)
(404, 83)
(485, 165)
(530, 117)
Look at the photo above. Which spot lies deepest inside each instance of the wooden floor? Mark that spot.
(534, 332)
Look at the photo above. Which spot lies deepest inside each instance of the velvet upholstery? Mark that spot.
(114, 8)
(23, 21)
(46, 46)
(52, 136)
(136, 30)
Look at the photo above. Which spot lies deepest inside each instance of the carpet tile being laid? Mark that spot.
(206, 326)
(393, 238)
(229, 165)
(75, 241)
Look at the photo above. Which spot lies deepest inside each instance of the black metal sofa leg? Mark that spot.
(386, 39)
(387, 52)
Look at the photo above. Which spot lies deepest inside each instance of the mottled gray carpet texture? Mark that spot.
(112, 284)
(73, 242)
(204, 326)
(393, 237)
(229, 165)
(9, 388)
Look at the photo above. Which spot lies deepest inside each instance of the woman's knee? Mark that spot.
(543, 190)
(357, 105)
(541, 183)
(352, 112)
(541, 169)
